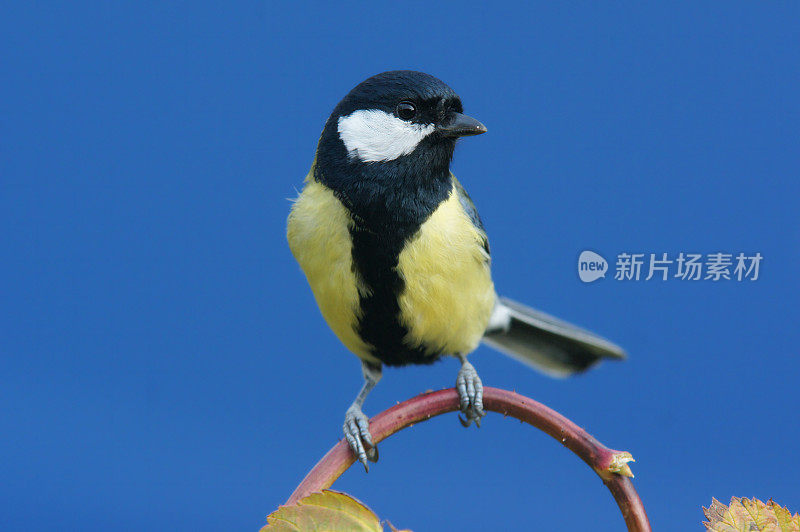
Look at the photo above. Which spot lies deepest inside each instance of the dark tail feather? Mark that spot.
(550, 345)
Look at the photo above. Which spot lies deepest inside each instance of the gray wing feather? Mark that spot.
(472, 212)
(548, 344)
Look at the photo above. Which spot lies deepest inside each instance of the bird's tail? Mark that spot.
(550, 345)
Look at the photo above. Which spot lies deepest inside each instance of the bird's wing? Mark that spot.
(471, 211)
(550, 345)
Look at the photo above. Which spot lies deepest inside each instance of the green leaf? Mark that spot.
(750, 515)
(328, 510)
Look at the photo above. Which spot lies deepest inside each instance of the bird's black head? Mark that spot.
(394, 131)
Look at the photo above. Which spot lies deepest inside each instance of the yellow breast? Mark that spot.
(319, 237)
(449, 294)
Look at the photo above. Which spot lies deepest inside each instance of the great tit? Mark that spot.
(396, 254)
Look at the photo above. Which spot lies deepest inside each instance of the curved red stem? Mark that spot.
(608, 463)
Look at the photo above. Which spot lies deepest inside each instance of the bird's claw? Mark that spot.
(470, 394)
(356, 432)
(468, 421)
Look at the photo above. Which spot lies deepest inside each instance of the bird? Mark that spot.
(396, 254)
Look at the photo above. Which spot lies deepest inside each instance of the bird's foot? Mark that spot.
(356, 432)
(470, 393)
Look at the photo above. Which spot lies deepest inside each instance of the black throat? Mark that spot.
(388, 202)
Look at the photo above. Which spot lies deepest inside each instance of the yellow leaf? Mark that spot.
(750, 515)
(328, 510)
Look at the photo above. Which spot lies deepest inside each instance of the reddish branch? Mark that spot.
(611, 465)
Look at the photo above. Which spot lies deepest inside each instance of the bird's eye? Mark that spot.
(406, 110)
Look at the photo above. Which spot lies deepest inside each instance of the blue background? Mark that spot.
(164, 365)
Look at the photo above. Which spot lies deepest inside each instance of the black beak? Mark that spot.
(458, 125)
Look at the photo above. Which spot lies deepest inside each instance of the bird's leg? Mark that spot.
(470, 392)
(356, 424)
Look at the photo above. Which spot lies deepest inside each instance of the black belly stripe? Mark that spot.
(375, 257)
(376, 249)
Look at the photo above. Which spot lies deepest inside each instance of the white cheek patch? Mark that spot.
(373, 135)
